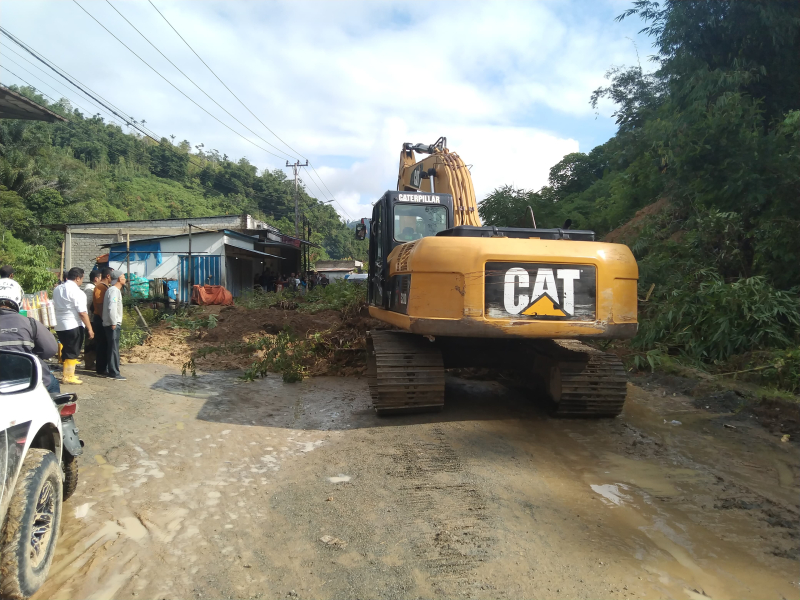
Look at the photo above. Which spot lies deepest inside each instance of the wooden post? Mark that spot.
(61, 271)
(190, 278)
(128, 260)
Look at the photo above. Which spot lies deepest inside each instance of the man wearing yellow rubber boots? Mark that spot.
(72, 321)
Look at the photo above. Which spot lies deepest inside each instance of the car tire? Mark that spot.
(70, 464)
(34, 514)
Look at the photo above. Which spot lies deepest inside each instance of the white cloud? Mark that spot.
(348, 83)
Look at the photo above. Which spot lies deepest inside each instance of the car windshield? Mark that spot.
(415, 221)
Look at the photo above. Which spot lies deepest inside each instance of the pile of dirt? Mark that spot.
(626, 233)
(229, 345)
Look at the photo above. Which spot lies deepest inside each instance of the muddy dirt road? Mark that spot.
(216, 488)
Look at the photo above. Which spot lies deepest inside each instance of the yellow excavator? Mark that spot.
(462, 295)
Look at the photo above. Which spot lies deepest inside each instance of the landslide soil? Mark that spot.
(224, 347)
(211, 487)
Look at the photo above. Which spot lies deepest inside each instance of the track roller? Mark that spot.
(583, 381)
(405, 373)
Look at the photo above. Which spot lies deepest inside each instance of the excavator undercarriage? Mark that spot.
(406, 372)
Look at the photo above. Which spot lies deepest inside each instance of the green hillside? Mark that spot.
(89, 170)
(710, 142)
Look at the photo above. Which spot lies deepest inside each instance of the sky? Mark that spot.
(345, 84)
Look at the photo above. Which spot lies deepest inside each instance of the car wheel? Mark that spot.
(31, 530)
(70, 464)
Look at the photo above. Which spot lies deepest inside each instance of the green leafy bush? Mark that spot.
(128, 338)
(708, 319)
(186, 319)
(284, 353)
(346, 296)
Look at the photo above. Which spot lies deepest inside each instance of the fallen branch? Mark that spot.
(775, 366)
(144, 323)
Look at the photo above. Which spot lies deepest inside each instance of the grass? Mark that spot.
(340, 295)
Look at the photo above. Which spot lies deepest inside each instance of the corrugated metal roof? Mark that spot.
(16, 106)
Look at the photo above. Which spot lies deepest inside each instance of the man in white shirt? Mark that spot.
(112, 323)
(72, 319)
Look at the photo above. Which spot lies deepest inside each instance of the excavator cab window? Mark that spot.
(415, 221)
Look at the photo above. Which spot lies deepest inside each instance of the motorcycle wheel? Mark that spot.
(70, 466)
(31, 529)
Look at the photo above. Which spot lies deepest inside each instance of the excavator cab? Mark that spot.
(399, 218)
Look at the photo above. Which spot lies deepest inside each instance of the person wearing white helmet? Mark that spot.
(24, 334)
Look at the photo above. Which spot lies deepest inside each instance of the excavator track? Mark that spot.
(405, 373)
(583, 381)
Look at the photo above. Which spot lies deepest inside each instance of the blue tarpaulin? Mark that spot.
(138, 251)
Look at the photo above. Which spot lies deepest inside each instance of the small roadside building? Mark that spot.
(338, 269)
(86, 244)
(227, 258)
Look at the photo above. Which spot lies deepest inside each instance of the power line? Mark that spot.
(206, 94)
(71, 124)
(192, 81)
(61, 72)
(246, 107)
(57, 90)
(75, 85)
(174, 86)
(130, 121)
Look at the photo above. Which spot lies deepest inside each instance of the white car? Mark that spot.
(38, 469)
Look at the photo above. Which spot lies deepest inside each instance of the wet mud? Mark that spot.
(211, 487)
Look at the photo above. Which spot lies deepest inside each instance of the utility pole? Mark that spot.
(296, 168)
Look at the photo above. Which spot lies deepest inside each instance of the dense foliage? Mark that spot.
(714, 135)
(89, 170)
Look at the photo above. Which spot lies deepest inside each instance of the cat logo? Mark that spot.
(540, 291)
(545, 294)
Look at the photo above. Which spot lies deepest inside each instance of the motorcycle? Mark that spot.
(67, 405)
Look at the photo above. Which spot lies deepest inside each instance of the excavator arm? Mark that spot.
(440, 172)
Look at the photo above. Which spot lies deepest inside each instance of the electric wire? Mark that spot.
(174, 86)
(69, 78)
(110, 150)
(193, 83)
(173, 64)
(248, 108)
(50, 85)
(106, 104)
(164, 144)
(128, 120)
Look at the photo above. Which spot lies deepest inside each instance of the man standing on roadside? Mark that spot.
(89, 354)
(112, 323)
(69, 303)
(101, 344)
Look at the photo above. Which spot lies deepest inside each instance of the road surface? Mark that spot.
(211, 487)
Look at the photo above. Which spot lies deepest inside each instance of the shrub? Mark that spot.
(284, 353)
(713, 320)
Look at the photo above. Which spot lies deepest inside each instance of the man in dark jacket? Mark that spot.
(24, 334)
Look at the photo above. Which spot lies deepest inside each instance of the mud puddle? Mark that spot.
(213, 487)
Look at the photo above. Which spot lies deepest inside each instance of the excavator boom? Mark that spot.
(441, 172)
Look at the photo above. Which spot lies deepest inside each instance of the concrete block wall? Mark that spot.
(86, 247)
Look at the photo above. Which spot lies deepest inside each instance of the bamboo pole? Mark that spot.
(128, 260)
(61, 271)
